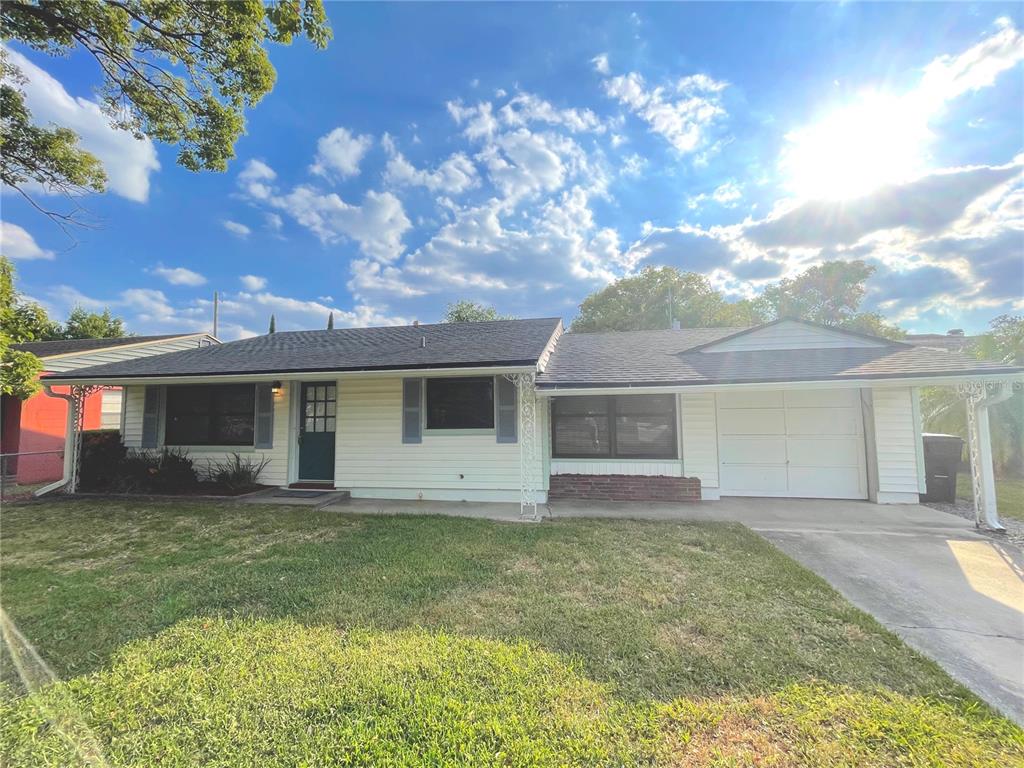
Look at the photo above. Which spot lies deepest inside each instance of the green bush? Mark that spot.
(166, 471)
(236, 473)
(254, 693)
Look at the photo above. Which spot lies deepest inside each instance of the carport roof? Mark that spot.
(673, 358)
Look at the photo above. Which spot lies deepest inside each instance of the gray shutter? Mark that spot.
(505, 410)
(412, 410)
(264, 416)
(151, 416)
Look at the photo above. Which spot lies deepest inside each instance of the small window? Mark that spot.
(625, 427)
(460, 403)
(223, 414)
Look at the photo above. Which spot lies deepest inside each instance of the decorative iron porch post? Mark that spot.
(528, 452)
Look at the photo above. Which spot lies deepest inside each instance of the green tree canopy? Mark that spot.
(830, 294)
(466, 311)
(18, 323)
(641, 302)
(181, 72)
(82, 324)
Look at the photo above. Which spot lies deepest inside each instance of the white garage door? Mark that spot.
(805, 443)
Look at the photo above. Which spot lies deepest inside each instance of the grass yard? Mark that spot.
(1009, 494)
(191, 632)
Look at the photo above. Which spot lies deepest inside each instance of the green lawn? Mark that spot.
(717, 640)
(1009, 494)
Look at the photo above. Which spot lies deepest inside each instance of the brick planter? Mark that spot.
(624, 488)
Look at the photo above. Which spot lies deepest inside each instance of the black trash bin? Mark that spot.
(941, 460)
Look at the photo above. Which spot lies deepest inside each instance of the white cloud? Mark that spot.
(253, 282)
(521, 163)
(633, 166)
(17, 243)
(727, 195)
(682, 118)
(274, 221)
(239, 230)
(453, 176)
(179, 275)
(947, 77)
(128, 161)
(339, 153)
(525, 108)
(479, 120)
(600, 63)
(256, 178)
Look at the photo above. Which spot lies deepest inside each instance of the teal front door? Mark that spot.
(318, 416)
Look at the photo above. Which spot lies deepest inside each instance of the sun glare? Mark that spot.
(877, 140)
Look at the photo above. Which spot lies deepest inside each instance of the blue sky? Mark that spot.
(524, 155)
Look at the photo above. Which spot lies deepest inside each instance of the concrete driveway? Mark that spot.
(949, 592)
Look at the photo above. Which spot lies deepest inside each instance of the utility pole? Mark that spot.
(215, 302)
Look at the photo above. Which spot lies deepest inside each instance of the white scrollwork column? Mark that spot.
(76, 421)
(528, 447)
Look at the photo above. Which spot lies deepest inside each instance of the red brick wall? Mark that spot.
(624, 488)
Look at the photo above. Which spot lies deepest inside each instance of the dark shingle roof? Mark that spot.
(498, 343)
(68, 346)
(670, 358)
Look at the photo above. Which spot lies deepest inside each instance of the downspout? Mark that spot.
(70, 442)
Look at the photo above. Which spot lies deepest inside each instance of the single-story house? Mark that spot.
(518, 410)
(35, 427)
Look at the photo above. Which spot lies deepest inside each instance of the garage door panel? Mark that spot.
(823, 421)
(811, 447)
(824, 451)
(822, 398)
(753, 399)
(751, 478)
(753, 450)
(752, 421)
(826, 482)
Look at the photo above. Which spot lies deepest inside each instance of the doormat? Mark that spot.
(299, 494)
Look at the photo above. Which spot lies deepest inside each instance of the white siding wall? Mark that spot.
(275, 473)
(110, 411)
(895, 448)
(789, 335)
(115, 354)
(372, 460)
(700, 437)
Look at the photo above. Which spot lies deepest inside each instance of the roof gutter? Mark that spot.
(514, 367)
(940, 380)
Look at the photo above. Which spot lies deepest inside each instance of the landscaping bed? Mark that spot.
(197, 633)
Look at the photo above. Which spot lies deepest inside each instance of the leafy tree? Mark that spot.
(92, 325)
(466, 311)
(181, 72)
(829, 294)
(18, 370)
(330, 322)
(48, 156)
(641, 302)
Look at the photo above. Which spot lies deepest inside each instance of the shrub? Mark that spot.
(166, 471)
(236, 473)
(245, 692)
(102, 454)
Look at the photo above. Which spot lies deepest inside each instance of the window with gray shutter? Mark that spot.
(412, 410)
(264, 416)
(505, 410)
(151, 416)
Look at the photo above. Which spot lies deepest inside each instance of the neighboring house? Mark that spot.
(37, 425)
(518, 410)
(953, 340)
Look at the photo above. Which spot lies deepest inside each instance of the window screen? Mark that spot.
(628, 427)
(460, 403)
(222, 414)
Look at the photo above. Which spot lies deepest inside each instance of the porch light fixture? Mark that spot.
(275, 387)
